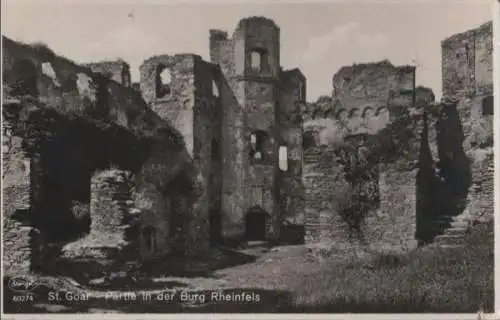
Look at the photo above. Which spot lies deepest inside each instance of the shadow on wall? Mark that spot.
(442, 195)
(428, 189)
(68, 152)
(454, 165)
(228, 167)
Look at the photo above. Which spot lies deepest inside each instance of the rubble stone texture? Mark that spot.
(112, 220)
(118, 71)
(467, 60)
(19, 237)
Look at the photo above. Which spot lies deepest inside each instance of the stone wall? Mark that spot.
(390, 192)
(480, 202)
(20, 247)
(118, 71)
(291, 127)
(16, 182)
(176, 107)
(394, 224)
(112, 220)
(467, 63)
(373, 85)
(249, 100)
(325, 186)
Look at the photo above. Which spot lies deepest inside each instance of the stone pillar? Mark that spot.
(312, 213)
(112, 220)
(197, 241)
(109, 193)
(394, 225)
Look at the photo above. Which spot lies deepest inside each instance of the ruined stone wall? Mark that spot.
(467, 63)
(118, 71)
(177, 107)
(111, 217)
(207, 146)
(19, 236)
(291, 128)
(125, 132)
(480, 200)
(223, 54)
(16, 179)
(325, 186)
(19, 247)
(248, 106)
(261, 34)
(372, 85)
(391, 220)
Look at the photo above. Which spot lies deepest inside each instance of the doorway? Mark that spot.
(255, 224)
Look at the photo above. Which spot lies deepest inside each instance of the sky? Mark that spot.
(317, 37)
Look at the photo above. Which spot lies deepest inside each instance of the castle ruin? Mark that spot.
(201, 153)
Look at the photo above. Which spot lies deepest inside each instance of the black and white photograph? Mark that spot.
(249, 157)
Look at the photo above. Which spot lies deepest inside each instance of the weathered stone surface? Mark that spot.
(467, 60)
(112, 223)
(118, 71)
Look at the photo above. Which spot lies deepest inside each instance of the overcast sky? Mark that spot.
(318, 37)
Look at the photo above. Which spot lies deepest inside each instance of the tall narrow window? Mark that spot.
(215, 89)
(163, 82)
(283, 158)
(258, 60)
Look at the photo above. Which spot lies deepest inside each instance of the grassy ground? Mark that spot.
(427, 280)
(291, 279)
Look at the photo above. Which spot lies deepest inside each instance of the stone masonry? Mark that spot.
(112, 219)
(467, 63)
(225, 109)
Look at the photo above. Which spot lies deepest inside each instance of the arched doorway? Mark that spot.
(255, 224)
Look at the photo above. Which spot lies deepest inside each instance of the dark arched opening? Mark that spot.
(255, 224)
(25, 83)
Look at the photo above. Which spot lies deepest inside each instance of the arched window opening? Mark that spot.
(163, 82)
(283, 158)
(258, 143)
(258, 60)
(488, 106)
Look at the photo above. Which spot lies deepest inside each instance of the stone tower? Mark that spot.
(250, 64)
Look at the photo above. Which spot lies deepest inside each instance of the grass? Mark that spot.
(458, 280)
(429, 280)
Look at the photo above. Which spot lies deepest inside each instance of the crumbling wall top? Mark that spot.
(256, 20)
(486, 27)
(218, 35)
(119, 63)
(347, 71)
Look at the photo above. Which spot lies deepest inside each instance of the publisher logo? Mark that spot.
(23, 284)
